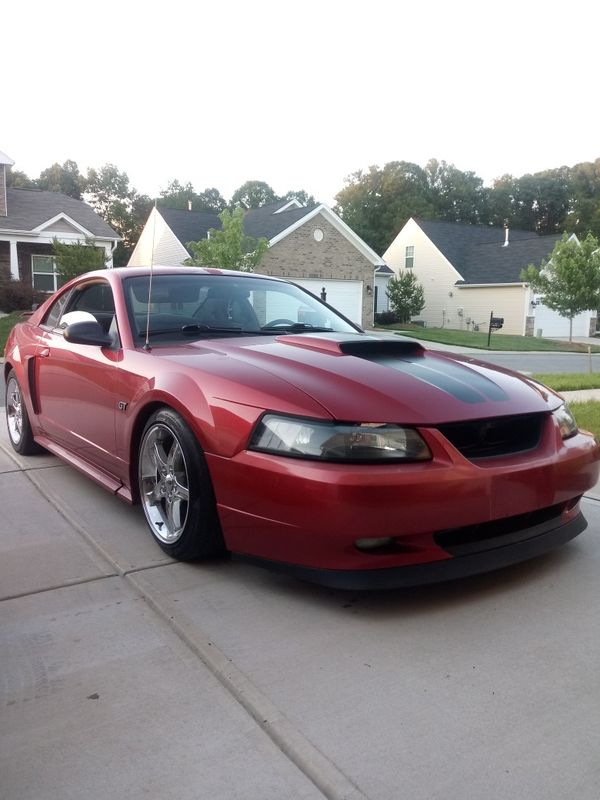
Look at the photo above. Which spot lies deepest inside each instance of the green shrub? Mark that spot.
(386, 318)
(15, 295)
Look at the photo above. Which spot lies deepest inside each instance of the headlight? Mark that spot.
(566, 421)
(288, 436)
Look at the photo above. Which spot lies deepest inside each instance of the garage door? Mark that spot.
(345, 296)
(552, 324)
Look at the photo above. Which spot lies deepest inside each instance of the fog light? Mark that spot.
(373, 544)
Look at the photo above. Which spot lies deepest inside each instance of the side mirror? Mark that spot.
(87, 333)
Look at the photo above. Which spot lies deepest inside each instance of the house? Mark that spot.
(470, 271)
(31, 219)
(309, 245)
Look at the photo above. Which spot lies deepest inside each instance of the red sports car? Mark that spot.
(246, 415)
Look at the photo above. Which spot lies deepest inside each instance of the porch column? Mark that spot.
(14, 260)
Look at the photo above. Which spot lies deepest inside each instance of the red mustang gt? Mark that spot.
(246, 415)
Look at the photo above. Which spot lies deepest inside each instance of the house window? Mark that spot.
(409, 256)
(44, 276)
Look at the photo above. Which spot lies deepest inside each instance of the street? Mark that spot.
(125, 674)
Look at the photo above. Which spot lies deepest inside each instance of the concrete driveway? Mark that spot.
(126, 675)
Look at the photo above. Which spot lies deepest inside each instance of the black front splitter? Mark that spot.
(543, 538)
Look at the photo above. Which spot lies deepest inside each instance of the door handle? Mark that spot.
(44, 352)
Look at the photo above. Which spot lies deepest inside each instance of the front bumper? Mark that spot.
(532, 542)
(310, 514)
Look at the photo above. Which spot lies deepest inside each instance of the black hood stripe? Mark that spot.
(457, 380)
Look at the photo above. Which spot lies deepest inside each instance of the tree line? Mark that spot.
(375, 203)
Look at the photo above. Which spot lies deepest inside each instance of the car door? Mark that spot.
(77, 383)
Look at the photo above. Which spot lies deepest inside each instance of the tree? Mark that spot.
(15, 179)
(75, 259)
(210, 200)
(570, 279)
(120, 205)
(253, 194)
(228, 248)
(178, 195)
(584, 211)
(406, 295)
(376, 204)
(66, 179)
(301, 196)
(456, 196)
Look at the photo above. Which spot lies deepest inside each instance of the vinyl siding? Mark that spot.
(477, 304)
(433, 271)
(168, 250)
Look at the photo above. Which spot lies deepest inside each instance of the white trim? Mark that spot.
(337, 223)
(488, 285)
(14, 259)
(12, 233)
(4, 159)
(54, 273)
(291, 203)
(62, 216)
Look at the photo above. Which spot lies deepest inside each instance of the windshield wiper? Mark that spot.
(194, 328)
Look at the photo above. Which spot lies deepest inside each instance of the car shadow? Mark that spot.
(544, 570)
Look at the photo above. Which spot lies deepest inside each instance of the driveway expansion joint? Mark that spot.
(323, 773)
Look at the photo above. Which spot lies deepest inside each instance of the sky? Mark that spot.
(300, 95)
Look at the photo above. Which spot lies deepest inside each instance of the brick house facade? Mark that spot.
(309, 245)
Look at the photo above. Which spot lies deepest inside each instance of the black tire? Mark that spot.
(176, 491)
(17, 419)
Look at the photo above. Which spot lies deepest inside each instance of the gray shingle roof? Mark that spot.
(192, 226)
(265, 222)
(477, 251)
(189, 226)
(29, 208)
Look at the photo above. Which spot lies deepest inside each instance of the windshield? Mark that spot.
(184, 307)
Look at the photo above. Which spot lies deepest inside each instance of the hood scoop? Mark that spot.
(359, 346)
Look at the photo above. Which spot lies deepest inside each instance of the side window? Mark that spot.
(96, 299)
(56, 310)
(409, 256)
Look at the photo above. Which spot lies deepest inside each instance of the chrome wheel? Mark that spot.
(14, 411)
(164, 483)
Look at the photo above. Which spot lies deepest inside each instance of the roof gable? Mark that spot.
(61, 223)
(479, 254)
(31, 210)
(267, 221)
(272, 222)
(189, 226)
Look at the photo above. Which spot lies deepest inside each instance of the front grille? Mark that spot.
(499, 436)
(460, 541)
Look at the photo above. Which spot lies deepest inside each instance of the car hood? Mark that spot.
(367, 378)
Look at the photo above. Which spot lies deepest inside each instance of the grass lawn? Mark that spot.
(569, 381)
(587, 415)
(499, 341)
